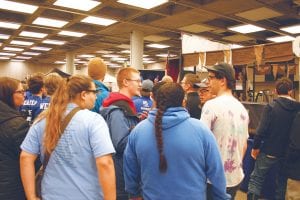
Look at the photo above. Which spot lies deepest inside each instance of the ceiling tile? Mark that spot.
(196, 28)
(259, 14)
(155, 38)
(237, 38)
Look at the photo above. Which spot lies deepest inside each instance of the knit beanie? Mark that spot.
(97, 68)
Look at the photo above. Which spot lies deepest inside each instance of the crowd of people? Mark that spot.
(148, 140)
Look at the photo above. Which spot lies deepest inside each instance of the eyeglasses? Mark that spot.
(203, 91)
(136, 80)
(20, 91)
(93, 91)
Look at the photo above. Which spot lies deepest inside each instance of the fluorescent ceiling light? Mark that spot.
(4, 58)
(9, 25)
(104, 52)
(81, 62)
(292, 29)
(148, 61)
(31, 53)
(18, 7)
(12, 49)
(60, 62)
(33, 34)
(55, 42)
(23, 57)
(7, 54)
(158, 46)
(4, 36)
(17, 60)
(281, 39)
(71, 33)
(118, 59)
(236, 46)
(23, 43)
(247, 28)
(125, 51)
(165, 55)
(146, 4)
(98, 21)
(84, 5)
(49, 22)
(41, 48)
(86, 56)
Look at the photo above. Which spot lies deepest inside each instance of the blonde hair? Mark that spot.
(51, 82)
(66, 92)
(125, 73)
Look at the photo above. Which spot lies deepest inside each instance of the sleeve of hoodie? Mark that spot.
(119, 129)
(262, 130)
(214, 167)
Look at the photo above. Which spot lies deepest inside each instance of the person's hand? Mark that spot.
(254, 153)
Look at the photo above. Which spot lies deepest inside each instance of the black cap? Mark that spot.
(223, 68)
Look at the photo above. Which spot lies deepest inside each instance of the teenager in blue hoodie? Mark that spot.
(172, 156)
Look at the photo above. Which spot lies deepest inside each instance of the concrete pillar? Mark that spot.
(136, 49)
(70, 67)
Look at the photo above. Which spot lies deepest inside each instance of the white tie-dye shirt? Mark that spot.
(228, 120)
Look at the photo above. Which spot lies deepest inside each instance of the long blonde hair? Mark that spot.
(64, 94)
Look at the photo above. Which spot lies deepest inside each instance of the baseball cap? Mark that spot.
(223, 68)
(147, 85)
(202, 84)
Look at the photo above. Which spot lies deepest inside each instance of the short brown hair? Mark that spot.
(125, 73)
(8, 86)
(52, 81)
(283, 86)
(192, 79)
(36, 83)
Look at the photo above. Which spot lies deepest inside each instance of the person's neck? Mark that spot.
(125, 92)
(225, 92)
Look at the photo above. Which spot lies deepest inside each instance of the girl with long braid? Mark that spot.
(170, 155)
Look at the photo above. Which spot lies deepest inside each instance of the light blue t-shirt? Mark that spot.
(71, 172)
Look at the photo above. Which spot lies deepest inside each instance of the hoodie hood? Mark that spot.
(7, 113)
(118, 99)
(171, 117)
(288, 104)
(100, 86)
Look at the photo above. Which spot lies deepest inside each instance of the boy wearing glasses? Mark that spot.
(228, 120)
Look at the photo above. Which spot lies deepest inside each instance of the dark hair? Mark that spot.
(283, 86)
(168, 95)
(35, 83)
(156, 88)
(8, 86)
(220, 75)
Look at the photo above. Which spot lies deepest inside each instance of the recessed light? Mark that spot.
(59, 62)
(292, 29)
(4, 36)
(285, 38)
(9, 25)
(247, 28)
(41, 48)
(4, 58)
(98, 21)
(55, 42)
(165, 55)
(104, 52)
(23, 57)
(71, 33)
(146, 4)
(7, 54)
(31, 53)
(22, 43)
(18, 7)
(158, 46)
(236, 46)
(17, 60)
(49, 22)
(33, 34)
(84, 5)
(12, 49)
(125, 51)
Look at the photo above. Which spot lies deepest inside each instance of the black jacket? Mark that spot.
(272, 135)
(13, 129)
(193, 105)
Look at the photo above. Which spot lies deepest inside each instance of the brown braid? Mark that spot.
(168, 95)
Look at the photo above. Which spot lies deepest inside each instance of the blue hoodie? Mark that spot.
(192, 158)
(103, 94)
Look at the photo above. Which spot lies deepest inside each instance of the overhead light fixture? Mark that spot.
(247, 28)
(7, 54)
(86, 56)
(236, 46)
(12, 49)
(4, 58)
(84, 5)
(9, 25)
(59, 62)
(17, 60)
(125, 51)
(285, 38)
(72, 33)
(23, 57)
(18, 7)
(33, 34)
(118, 59)
(41, 48)
(104, 52)
(4, 36)
(22, 43)
(148, 61)
(146, 4)
(31, 53)
(292, 29)
(98, 21)
(165, 55)
(49, 22)
(158, 46)
(55, 42)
